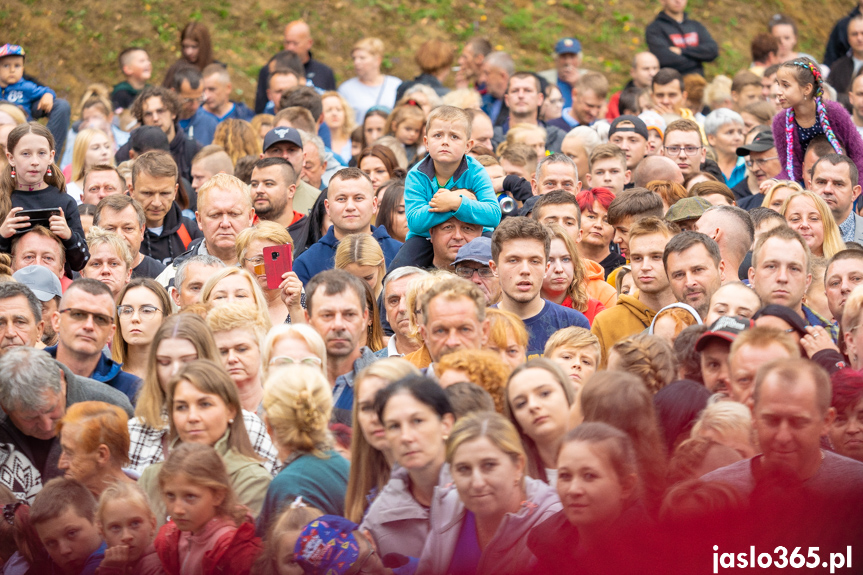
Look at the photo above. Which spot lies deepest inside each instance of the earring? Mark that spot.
(12, 175)
(445, 437)
(48, 173)
(230, 421)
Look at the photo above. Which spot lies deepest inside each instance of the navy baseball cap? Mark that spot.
(638, 126)
(477, 250)
(567, 46)
(277, 135)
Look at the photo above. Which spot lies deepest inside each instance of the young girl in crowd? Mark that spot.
(406, 123)
(566, 281)
(208, 532)
(278, 555)
(142, 306)
(374, 125)
(807, 114)
(33, 181)
(128, 526)
(538, 397)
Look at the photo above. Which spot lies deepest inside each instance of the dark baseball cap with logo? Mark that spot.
(277, 135)
(763, 141)
(567, 46)
(726, 328)
(638, 126)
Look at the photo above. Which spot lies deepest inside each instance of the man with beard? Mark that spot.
(695, 269)
(274, 183)
(519, 249)
(336, 308)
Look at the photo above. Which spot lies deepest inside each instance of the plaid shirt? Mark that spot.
(147, 444)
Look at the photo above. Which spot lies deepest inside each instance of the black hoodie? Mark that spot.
(696, 43)
(170, 243)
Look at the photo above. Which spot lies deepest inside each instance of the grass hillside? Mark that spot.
(71, 43)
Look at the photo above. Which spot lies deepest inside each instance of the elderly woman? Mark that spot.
(110, 260)
(725, 132)
(95, 442)
(293, 344)
(239, 332)
(285, 303)
(370, 87)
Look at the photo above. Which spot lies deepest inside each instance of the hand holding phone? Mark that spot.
(278, 261)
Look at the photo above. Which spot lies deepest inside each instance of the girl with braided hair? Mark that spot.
(298, 403)
(806, 115)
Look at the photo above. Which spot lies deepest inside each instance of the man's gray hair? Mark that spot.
(317, 141)
(405, 271)
(10, 289)
(27, 374)
(718, 118)
(203, 259)
(556, 158)
(501, 60)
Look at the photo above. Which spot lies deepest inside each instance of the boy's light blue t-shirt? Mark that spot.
(421, 185)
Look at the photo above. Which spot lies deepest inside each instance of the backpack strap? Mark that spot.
(183, 233)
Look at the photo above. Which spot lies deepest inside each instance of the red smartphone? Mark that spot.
(277, 261)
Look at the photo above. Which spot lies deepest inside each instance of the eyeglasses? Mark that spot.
(467, 273)
(284, 360)
(145, 311)
(689, 150)
(9, 511)
(255, 261)
(80, 316)
(761, 162)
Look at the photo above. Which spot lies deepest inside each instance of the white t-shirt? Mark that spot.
(362, 97)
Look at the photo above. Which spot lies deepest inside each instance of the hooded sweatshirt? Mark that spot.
(507, 552)
(597, 287)
(170, 243)
(695, 42)
(627, 318)
(110, 372)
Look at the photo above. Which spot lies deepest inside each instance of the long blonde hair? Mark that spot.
(151, 399)
(260, 301)
(369, 468)
(363, 250)
(768, 196)
(833, 243)
(79, 151)
(577, 289)
(350, 115)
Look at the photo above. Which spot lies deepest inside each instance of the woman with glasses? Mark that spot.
(293, 344)
(142, 306)
(284, 304)
(238, 333)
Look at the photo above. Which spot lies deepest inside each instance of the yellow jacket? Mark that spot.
(627, 318)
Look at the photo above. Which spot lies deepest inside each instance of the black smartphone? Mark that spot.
(40, 217)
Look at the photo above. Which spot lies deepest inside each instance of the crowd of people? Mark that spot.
(504, 322)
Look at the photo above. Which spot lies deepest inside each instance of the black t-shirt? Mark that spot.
(149, 268)
(39, 449)
(611, 262)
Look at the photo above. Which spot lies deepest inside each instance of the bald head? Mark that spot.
(298, 39)
(656, 168)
